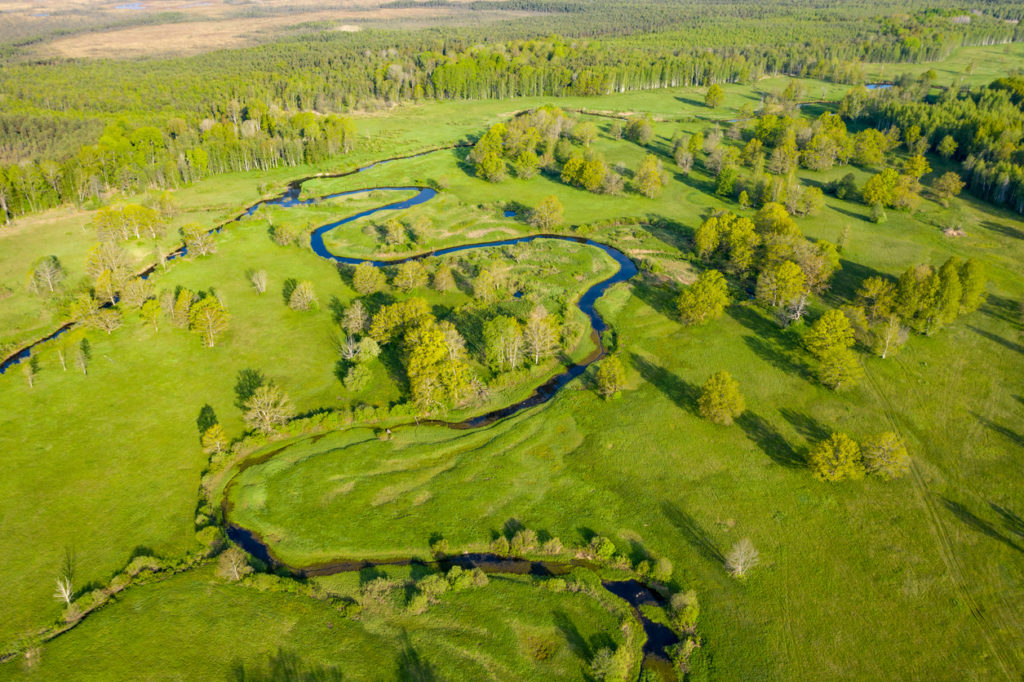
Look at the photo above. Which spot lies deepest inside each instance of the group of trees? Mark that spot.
(839, 457)
(544, 139)
(433, 352)
(768, 248)
(979, 128)
(129, 159)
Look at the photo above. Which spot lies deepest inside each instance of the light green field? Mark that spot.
(867, 580)
(238, 632)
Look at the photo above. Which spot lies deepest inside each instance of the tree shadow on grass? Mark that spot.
(847, 280)
(284, 666)
(769, 440)
(977, 523)
(1004, 431)
(995, 338)
(572, 635)
(1005, 230)
(411, 665)
(679, 391)
(806, 425)
(693, 533)
(1013, 522)
(655, 294)
(1002, 308)
(669, 232)
(779, 347)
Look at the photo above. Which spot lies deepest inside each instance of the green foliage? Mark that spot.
(720, 399)
(705, 299)
(885, 455)
(836, 458)
(611, 376)
(714, 96)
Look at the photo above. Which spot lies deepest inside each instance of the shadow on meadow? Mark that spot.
(1004, 431)
(769, 440)
(694, 534)
(411, 665)
(972, 520)
(654, 293)
(1005, 343)
(678, 390)
(284, 666)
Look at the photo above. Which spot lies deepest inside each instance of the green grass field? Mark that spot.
(239, 632)
(910, 579)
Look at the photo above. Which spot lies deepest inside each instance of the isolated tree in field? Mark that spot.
(367, 279)
(411, 275)
(209, 319)
(150, 313)
(258, 278)
(64, 591)
(714, 96)
(303, 297)
(720, 399)
(611, 376)
(444, 279)
(267, 409)
(947, 186)
(46, 275)
(214, 440)
(885, 455)
(540, 334)
(741, 558)
(233, 564)
(198, 241)
(836, 458)
(639, 129)
(547, 215)
(705, 299)
(355, 319)
(649, 177)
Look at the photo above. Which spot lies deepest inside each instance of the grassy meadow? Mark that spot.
(909, 579)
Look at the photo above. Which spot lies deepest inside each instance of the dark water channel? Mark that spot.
(635, 593)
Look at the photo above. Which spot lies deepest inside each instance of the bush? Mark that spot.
(602, 548)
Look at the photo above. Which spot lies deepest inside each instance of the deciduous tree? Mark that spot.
(720, 399)
(836, 458)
